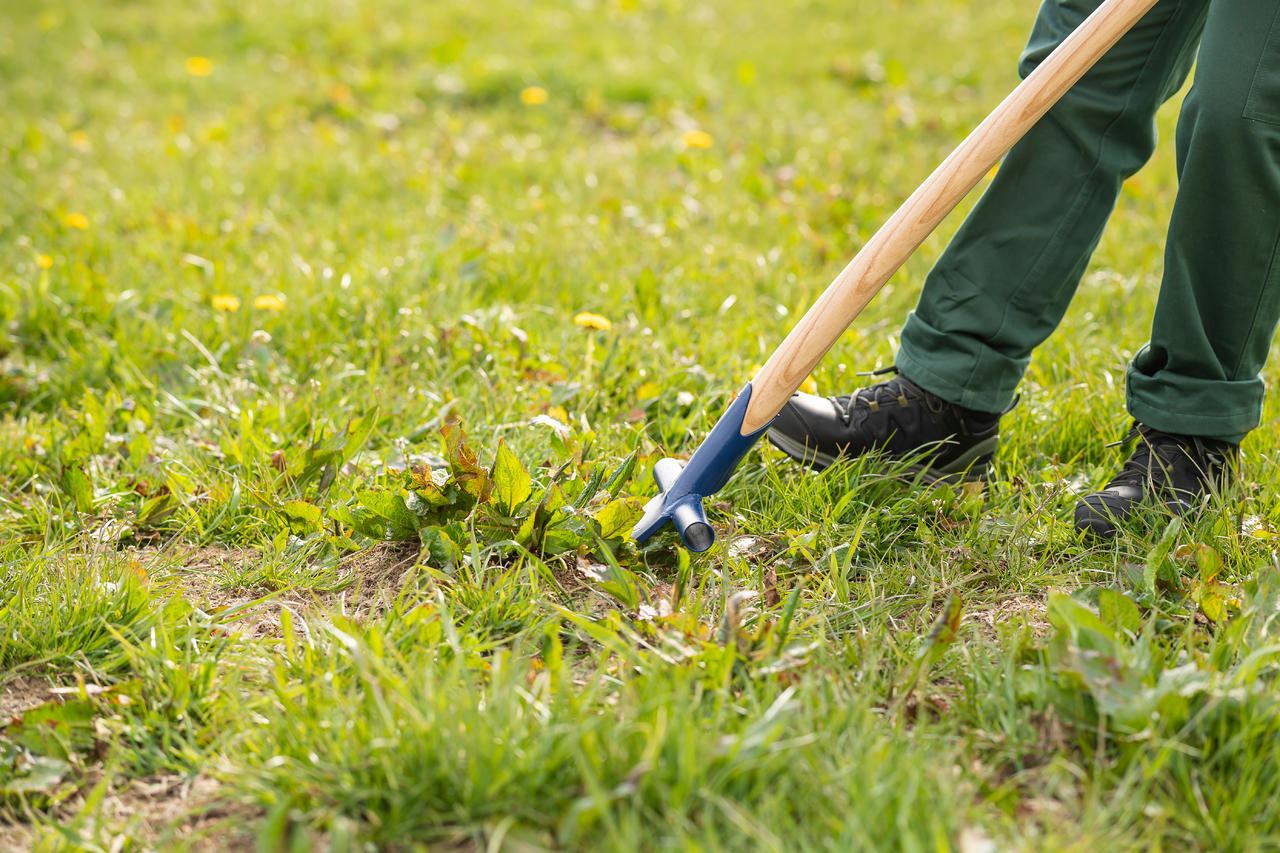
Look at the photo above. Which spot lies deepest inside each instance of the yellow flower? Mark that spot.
(269, 302)
(697, 139)
(79, 140)
(44, 261)
(592, 321)
(225, 302)
(199, 66)
(532, 96)
(78, 221)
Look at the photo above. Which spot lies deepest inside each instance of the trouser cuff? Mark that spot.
(1187, 406)
(958, 368)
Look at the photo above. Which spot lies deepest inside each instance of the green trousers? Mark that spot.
(1004, 282)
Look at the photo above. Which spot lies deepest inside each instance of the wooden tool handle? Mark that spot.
(889, 248)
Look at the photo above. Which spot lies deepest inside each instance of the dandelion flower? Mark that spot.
(225, 302)
(592, 321)
(78, 221)
(269, 302)
(44, 261)
(532, 96)
(697, 139)
(199, 66)
(79, 140)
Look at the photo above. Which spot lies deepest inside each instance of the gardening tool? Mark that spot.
(684, 486)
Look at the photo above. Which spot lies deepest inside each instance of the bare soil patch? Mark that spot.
(21, 695)
(1016, 611)
(157, 813)
(169, 809)
(368, 582)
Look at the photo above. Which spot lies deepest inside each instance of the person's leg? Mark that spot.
(1004, 281)
(1194, 389)
(1220, 298)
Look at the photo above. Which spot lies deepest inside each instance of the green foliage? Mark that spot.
(261, 264)
(457, 503)
(442, 752)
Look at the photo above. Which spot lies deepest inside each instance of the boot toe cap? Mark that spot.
(1098, 515)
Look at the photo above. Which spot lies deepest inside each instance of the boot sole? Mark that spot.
(973, 464)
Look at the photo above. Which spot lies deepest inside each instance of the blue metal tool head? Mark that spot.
(683, 486)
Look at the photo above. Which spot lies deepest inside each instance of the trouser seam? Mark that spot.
(1253, 321)
(1257, 69)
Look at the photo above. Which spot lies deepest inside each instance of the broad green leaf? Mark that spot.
(1208, 561)
(77, 486)
(357, 433)
(1160, 555)
(434, 486)
(1118, 610)
(462, 459)
(616, 518)
(439, 549)
(1074, 620)
(35, 774)
(512, 485)
(1212, 599)
(302, 514)
(56, 729)
(388, 505)
(367, 523)
(564, 533)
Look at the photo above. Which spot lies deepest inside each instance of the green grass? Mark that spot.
(314, 497)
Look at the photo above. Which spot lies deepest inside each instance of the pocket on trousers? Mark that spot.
(1263, 102)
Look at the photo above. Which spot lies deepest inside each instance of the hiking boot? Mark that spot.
(1176, 472)
(896, 417)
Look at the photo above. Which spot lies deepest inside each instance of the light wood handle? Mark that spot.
(889, 248)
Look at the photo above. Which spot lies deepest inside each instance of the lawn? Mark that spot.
(340, 339)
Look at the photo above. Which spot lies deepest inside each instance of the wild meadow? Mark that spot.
(339, 341)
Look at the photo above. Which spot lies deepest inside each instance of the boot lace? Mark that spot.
(896, 391)
(1172, 463)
